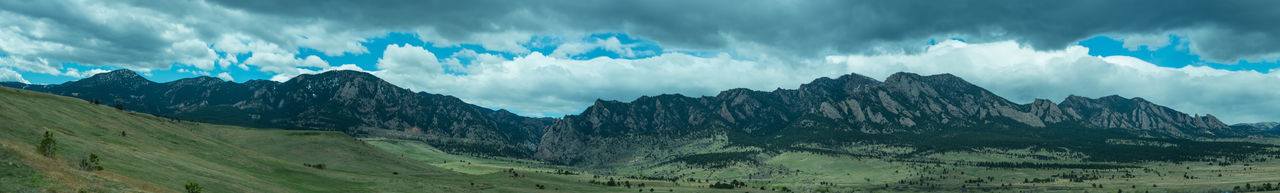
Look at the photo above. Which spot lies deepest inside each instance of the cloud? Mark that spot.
(194, 72)
(811, 28)
(1022, 74)
(282, 77)
(409, 58)
(72, 72)
(611, 44)
(1152, 42)
(226, 76)
(539, 85)
(156, 34)
(283, 63)
(8, 75)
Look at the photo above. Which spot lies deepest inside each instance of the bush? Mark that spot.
(316, 166)
(91, 164)
(193, 187)
(47, 145)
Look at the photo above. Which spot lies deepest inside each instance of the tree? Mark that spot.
(119, 107)
(91, 164)
(93, 159)
(47, 145)
(193, 187)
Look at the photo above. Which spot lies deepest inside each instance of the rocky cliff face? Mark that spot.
(903, 103)
(353, 102)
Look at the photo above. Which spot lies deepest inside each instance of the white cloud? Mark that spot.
(8, 75)
(195, 53)
(612, 44)
(535, 84)
(282, 77)
(72, 72)
(508, 41)
(1151, 41)
(226, 76)
(194, 72)
(37, 65)
(283, 63)
(409, 58)
(1022, 74)
(332, 43)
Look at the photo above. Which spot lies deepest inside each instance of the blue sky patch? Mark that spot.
(1174, 55)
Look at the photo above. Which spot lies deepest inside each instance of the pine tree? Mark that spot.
(48, 145)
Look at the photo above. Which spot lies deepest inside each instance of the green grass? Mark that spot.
(931, 172)
(160, 155)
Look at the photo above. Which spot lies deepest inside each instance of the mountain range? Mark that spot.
(848, 109)
(357, 103)
(1271, 127)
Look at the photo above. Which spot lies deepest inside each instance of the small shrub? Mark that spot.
(47, 145)
(91, 164)
(316, 166)
(193, 187)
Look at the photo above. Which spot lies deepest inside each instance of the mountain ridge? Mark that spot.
(356, 103)
(362, 104)
(903, 103)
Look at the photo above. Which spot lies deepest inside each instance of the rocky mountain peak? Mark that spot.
(337, 76)
(201, 80)
(902, 77)
(121, 77)
(732, 93)
(116, 75)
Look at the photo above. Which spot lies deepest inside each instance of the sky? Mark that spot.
(554, 58)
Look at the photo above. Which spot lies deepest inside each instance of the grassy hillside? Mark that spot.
(140, 152)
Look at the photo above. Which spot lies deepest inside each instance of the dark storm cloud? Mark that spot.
(1240, 28)
(145, 34)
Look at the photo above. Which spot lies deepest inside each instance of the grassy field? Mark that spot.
(937, 172)
(141, 152)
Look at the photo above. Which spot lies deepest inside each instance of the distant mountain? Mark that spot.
(1271, 127)
(357, 103)
(853, 106)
